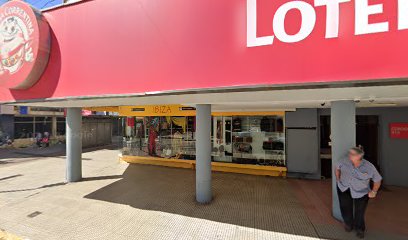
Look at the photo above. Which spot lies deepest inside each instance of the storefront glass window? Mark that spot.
(28, 127)
(167, 137)
(23, 127)
(60, 126)
(43, 124)
(258, 140)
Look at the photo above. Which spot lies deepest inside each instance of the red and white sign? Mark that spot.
(399, 130)
(24, 45)
(103, 47)
(364, 11)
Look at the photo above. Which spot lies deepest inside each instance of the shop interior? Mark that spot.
(241, 139)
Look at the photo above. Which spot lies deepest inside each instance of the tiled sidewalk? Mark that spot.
(121, 201)
(386, 216)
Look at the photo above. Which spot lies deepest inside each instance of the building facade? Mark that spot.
(284, 84)
(22, 124)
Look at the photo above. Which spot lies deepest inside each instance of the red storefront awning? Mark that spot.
(104, 47)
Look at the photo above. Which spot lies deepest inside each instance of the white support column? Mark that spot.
(203, 154)
(343, 136)
(74, 145)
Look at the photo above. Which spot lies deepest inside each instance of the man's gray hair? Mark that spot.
(359, 150)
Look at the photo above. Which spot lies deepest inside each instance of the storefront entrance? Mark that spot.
(367, 135)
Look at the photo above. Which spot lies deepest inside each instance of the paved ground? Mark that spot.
(385, 214)
(121, 201)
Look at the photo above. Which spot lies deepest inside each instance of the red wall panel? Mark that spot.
(399, 130)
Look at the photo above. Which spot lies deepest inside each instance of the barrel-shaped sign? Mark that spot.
(24, 45)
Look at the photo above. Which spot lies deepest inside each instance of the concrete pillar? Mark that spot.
(203, 153)
(343, 136)
(74, 145)
(54, 127)
(34, 130)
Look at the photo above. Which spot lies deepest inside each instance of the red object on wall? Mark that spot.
(24, 45)
(84, 113)
(399, 130)
(128, 47)
(130, 121)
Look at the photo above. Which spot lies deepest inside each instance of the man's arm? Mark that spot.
(377, 183)
(376, 187)
(338, 173)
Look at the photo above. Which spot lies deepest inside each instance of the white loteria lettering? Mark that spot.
(252, 39)
(402, 14)
(308, 21)
(332, 16)
(363, 11)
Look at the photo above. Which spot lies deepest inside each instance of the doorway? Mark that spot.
(366, 136)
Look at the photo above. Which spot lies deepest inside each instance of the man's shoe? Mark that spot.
(360, 234)
(348, 228)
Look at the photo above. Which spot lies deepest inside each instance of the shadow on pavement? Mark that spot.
(20, 155)
(37, 188)
(56, 184)
(102, 178)
(250, 201)
(9, 177)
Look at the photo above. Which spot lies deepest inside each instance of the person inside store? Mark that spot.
(153, 134)
(46, 140)
(140, 134)
(38, 139)
(353, 176)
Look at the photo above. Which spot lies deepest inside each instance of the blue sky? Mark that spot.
(40, 4)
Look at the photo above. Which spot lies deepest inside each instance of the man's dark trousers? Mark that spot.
(353, 210)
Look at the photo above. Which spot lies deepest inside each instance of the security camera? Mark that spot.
(323, 104)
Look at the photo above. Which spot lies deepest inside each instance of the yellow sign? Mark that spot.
(156, 111)
(172, 111)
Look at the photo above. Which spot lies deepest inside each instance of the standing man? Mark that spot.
(353, 177)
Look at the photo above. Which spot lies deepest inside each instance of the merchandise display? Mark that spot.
(258, 140)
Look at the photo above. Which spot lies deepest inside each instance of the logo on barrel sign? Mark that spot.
(24, 45)
(15, 41)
